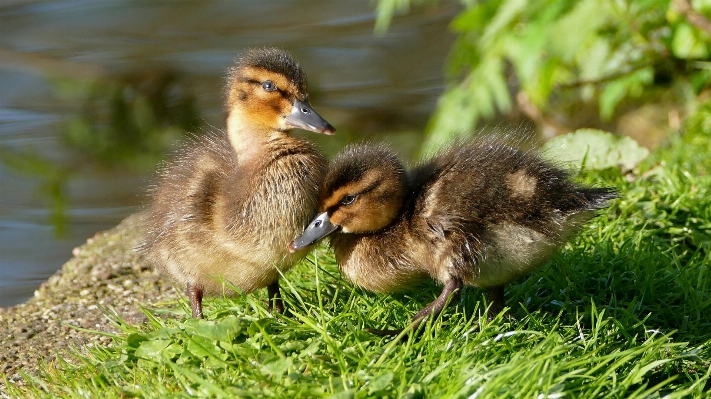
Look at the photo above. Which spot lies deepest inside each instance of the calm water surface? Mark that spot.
(64, 64)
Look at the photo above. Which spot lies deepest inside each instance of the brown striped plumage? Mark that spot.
(229, 203)
(480, 213)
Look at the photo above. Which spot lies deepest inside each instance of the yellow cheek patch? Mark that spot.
(371, 219)
(362, 217)
(340, 217)
(265, 113)
(260, 107)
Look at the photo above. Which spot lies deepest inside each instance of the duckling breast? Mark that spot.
(214, 217)
(280, 198)
(383, 262)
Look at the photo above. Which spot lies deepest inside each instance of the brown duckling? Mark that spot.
(230, 202)
(480, 213)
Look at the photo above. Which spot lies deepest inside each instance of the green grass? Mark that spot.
(623, 311)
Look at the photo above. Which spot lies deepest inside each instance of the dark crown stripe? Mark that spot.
(277, 61)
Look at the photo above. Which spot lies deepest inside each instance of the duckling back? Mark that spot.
(483, 212)
(495, 212)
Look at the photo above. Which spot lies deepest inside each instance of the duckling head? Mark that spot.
(267, 93)
(362, 193)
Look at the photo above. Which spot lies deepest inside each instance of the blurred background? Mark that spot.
(94, 94)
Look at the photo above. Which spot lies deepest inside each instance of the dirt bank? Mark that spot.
(105, 273)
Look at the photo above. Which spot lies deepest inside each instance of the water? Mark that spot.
(160, 64)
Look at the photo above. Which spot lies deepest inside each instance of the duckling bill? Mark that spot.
(229, 203)
(481, 213)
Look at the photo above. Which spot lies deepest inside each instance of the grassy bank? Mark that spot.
(623, 311)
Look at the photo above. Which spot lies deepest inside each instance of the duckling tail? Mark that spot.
(598, 197)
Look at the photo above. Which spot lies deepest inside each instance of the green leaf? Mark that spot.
(183, 374)
(173, 350)
(311, 350)
(687, 44)
(592, 63)
(630, 85)
(347, 394)
(203, 347)
(277, 367)
(596, 149)
(134, 340)
(610, 96)
(225, 329)
(568, 34)
(505, 16)
(152, 349)
(257, 326)
(483, 93)
(381, 383)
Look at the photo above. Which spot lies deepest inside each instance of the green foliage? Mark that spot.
(564, 55)
(696, 161)
(622, 311)
(595, 149)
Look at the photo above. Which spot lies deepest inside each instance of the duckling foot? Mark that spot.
(275, 301)
(195, 295)
(452, 288)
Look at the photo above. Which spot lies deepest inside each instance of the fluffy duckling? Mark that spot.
(480, 213)
(230, 202)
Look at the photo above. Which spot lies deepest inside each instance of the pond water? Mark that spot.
(91, 93)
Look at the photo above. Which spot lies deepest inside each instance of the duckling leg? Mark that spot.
(275, 302)
(452, 288)
(195, 295)
(496, 300)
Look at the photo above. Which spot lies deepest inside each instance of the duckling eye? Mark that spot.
(348, 199)
(268, 85)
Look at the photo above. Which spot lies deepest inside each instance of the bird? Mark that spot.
(481, 212)
(228, 203)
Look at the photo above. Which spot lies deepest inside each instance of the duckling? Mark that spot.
(229, 203)
(481, 213)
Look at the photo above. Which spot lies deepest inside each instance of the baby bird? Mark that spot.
(480, 213)
(230, 202)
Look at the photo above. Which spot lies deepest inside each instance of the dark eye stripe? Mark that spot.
(372, 186)
(283, 93)
(368, 189)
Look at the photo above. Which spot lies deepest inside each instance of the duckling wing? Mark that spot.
(486, 183)
(449, 216)
(182, 213)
